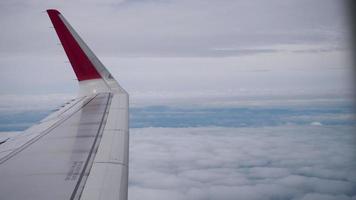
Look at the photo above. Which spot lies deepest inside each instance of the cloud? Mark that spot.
(14, 103)
(284, 162)
(316, 124)
(209, 47)
(19, 112)
(325, 197)
(207, 79)
(264, 158)
(150, 80)
(175, 28)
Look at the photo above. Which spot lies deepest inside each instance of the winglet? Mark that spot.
(82, 66)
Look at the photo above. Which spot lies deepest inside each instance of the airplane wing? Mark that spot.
(79, 151)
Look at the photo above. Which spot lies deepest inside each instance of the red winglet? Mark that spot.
(80, 62)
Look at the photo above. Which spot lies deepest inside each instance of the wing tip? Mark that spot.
(53, 12)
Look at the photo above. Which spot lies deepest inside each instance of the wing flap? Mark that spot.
(109, 175)
(107, 182)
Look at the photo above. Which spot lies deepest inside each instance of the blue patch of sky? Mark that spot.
(158, 116)
(21, 120)
(176, 117)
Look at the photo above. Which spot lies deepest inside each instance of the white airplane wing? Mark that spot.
(79, 151)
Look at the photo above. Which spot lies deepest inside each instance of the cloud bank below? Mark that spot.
(285, 162)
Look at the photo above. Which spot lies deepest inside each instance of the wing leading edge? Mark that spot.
(79, 151)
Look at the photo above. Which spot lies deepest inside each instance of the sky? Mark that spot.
(179, 49)
(229, 99)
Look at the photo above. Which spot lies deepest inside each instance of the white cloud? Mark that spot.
(286, 162)
(316, 124)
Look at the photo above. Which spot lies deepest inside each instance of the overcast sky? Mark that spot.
(167, 48)
(175, 28)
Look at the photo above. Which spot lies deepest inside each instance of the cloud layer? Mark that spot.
(285, 162)
(171, 28)
(262, 152)
(209, 46)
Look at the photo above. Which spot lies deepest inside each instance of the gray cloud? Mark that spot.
(210, 47)
(33, 102)
(174, 28)
(285, 162)
(278, 73)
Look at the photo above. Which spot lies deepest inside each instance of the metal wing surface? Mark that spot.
(79, 151)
